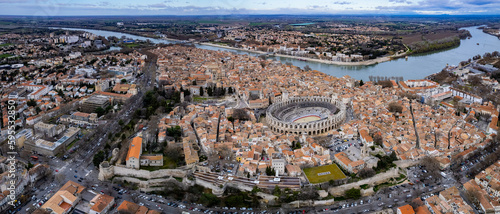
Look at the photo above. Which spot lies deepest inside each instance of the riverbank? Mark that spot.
(144, 37)
(417, 66)
(366, 62)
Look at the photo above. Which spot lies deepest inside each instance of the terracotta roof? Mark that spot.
(128, 207)
(135, 148)
(406, 209)
(64, 199)
(100, 202)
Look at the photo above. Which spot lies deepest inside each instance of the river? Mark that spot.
(416, 67)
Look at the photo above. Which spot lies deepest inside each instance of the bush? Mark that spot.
(353, 194)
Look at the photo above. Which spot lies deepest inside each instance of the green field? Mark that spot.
(261, 23)
(5, 56)
(335, 173)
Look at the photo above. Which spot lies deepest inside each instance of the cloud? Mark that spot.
(400, 1)
(480, 2)
(224, 7)
(75, 5)
(159, 5)
(435, 7)
(12, 1)
(342, 2)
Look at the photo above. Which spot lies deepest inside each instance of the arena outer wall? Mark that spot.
(311, 128)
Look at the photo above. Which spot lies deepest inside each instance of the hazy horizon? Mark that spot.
(242, 7)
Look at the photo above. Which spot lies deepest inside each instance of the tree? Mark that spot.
(270, 171)
(385, 83)
(366, 172)
(98, 158)
(60, 178)
(100, 111)
(31, 103)
(173, 153)
(123, 81)
(353, 193)
(209, 91)
(377, 139)
(277, 191)
(432, 166)
(240, 114)
(474, 80)
(30, 165)
(174, 132)
(60, 93)
(415, 203)
(395, 107)
(202, 92)
(361, 83)
(473, 195)
(307, 68)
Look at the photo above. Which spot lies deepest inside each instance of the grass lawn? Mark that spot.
(167, 164)
(4, 56)
(199, 99)
(326, 173)
(69, 146)
(5, 44)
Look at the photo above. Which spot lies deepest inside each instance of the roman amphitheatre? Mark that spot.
(312, 115)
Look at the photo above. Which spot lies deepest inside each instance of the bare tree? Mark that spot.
(432, 166)
(473, 196)
(395, 107)
(60, 178)
(366, 172)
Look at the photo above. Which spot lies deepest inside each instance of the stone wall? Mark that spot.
(216, 190)
(123, 171)
(377, 179)
(406, 163)
(309, 203)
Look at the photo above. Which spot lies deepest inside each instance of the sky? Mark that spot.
(245, 7)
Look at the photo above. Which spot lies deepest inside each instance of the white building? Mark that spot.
(279, 166)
